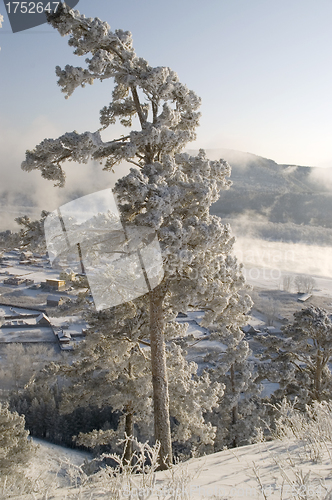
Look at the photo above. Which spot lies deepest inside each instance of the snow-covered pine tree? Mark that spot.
(300, 357)
(31, 234)
(168, 190)
(239, 412)
(112, 367)
(15, 447)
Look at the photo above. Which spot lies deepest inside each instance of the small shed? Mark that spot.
(42, 320)
(25, 255)
(64, 337)
(54, 301)
(282, 318)
(250, 329)
(273, 330)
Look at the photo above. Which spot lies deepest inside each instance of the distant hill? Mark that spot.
(267, 200)
(278, 193)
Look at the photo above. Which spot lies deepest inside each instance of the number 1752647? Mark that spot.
(31, 7)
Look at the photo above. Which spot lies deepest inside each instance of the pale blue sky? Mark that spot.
(263, 69)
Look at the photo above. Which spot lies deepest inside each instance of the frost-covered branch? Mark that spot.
(50, 154)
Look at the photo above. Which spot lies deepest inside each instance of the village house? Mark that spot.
(26, 320)
(56, 284)
(43, 320)
(65, 340)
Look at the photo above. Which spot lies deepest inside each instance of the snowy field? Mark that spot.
(267, 262)
(27, 335)
(11, 311)
(287, 257)
(271, 279)
(37, 274)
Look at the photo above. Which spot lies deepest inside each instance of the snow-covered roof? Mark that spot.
(272, 329)
(250, 329)
(304, 297)
(63, 335)
(41, 317)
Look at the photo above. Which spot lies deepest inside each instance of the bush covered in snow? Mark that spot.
(15, 447)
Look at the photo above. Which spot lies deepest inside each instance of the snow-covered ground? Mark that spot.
(11, 311)
(52, 462)
(267, 262)
(271, 279)
(253, 471)
(41, 334)
(37, 274)
(313, 260)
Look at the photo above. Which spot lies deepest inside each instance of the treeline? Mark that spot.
(40, 404)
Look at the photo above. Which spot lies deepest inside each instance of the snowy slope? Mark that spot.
(230, 474)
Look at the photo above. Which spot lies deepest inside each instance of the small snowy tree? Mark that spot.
(15, 448)
(20, 363)
(169, 191)
(9, 240)
(304, 284)
(31, 235)
(300, 357)
(287, 283)
(239, 411)
(269, 307)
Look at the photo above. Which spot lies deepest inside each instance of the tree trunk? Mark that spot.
(129, 430)
(162, 428)
(234, 409)
(318, 375)
(80, 257)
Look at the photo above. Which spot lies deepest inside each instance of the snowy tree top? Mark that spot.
(166, 108)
